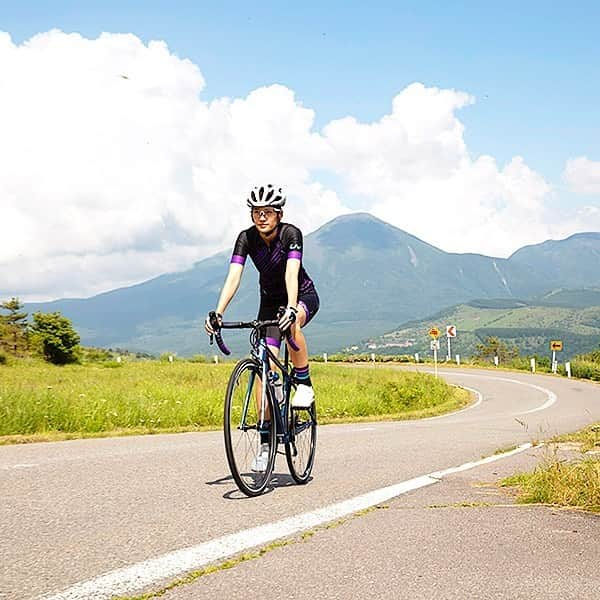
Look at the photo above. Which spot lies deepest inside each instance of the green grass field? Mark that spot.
(44, 402)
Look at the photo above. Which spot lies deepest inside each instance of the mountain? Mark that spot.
(570, 263)
(528, 325)
(369, 274)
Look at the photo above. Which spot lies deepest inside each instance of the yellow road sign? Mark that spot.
(556, 345)
(434, 332)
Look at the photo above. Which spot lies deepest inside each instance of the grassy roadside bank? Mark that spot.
(40, 402)
(573, 483)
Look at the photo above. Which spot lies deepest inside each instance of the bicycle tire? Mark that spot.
(242, 437)
(300, 450)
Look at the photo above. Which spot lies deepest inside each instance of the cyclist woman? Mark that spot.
(276, 250)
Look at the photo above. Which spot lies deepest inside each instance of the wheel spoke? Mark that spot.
(300, 451)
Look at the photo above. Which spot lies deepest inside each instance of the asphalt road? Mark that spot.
(72, 511)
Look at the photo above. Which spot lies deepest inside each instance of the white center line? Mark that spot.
(141, 575)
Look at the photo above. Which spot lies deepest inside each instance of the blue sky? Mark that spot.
(499, 80)
(534, 67)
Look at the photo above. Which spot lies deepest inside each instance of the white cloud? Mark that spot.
(415, 168)
(113, 169)
(583, 175)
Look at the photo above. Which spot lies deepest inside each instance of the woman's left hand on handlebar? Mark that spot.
(209, 324)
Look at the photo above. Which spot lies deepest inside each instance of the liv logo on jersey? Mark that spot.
(295, 247)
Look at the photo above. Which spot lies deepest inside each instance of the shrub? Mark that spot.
(198, 358)
(94, 354)
(56, 338)
(585, 369)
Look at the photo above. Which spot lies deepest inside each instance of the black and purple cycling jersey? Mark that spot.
(270, 261)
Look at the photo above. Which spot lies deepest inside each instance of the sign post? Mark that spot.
(450, 333)
(555, 346)
(434, 332)
(435, 346)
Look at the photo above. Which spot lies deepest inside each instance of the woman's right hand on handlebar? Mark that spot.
(213, 320)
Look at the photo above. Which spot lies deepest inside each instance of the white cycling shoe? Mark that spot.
(259, 464)
(304, 396)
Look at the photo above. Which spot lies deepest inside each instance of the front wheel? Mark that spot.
(300, 450)
(242, 425)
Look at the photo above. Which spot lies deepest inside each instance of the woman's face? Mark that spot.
(266, 219)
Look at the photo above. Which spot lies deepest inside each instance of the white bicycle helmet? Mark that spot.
(266, 195)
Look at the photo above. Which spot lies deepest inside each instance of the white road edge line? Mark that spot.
(141, 575)
(462, 410)
(552, 397)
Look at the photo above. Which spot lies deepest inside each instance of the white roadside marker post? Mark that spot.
(325, 357)
(458, 359)
(416, 357)
(568, 369)
(533, 365)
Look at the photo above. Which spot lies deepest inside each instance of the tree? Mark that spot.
(13, 326)
(492, 346)
(57, 339)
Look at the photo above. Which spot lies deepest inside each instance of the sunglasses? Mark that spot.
(267, 213)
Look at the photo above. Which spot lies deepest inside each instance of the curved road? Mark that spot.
(73, 511)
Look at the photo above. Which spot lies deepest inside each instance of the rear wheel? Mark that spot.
(300, 450)
(242, 429)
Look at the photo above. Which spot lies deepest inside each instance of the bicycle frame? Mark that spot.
(266, 357)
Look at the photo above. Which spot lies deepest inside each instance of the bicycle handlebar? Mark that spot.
(214, 321)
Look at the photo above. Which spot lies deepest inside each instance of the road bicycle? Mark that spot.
(258, 408)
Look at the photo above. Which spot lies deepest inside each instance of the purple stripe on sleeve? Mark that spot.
(273, 342)
(240, 260)
(295, 254)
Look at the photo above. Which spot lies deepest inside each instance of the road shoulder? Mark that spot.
(462, 537)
